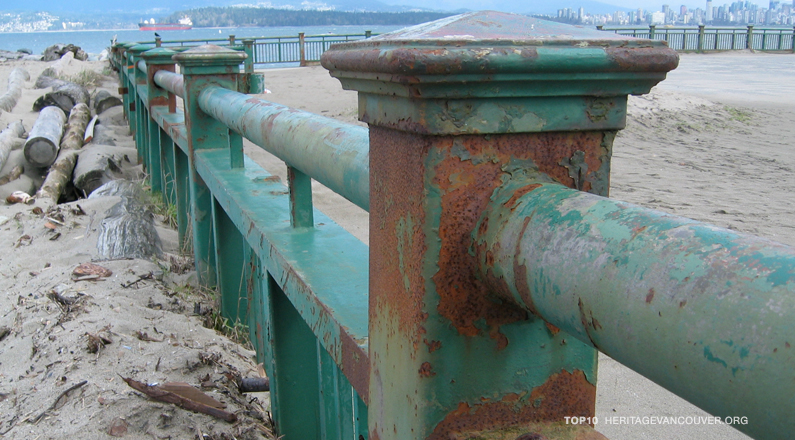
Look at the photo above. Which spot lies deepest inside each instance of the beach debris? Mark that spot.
(99, 165)
(60, 172)
(19, 197)
(54, 405)
(159, 393)
(13, 175)
(98, 341)
(91, 269)
(14, 130)
(89, 134)
(57, 51)
(41, 148)
(254, 385)
(4, 331)
(118, 427)
(143, 336)
(104, 100)
(16, 82)
(64, 94)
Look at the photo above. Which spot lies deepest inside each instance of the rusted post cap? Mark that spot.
(493, 72)
(158, 56)
(210, 59)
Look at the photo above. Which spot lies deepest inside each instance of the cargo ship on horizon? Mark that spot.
(184, 24)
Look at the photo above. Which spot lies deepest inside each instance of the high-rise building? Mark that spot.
(708, 15)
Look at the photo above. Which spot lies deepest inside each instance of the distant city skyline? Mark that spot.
(732, 13)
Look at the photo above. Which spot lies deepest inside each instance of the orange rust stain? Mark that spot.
(511, 203)
(426, 370)
(465, 183)
(552, 329)
(433, 345)
(563, 394)
(396, 193)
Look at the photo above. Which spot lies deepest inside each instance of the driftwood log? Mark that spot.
(64, 95)
(104, 100)
(44, 140)
(100, 164)
(16, 82)
(60, 172)
(15, 130)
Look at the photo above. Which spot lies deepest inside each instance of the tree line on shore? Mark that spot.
(236, 16)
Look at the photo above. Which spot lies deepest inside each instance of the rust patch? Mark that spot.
(433, 345)
(511, 203)
(643, 59)
(650, 296)
(396, 260)
(563, 394)
(426, 370)
(355, 365)
(552, 329)
(682, 303)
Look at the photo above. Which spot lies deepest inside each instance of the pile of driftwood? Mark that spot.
(68, 152)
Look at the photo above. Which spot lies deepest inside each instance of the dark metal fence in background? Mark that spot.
(301, 48)
(703, 39)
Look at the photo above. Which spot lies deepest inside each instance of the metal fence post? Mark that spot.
(201, 67)
(137, 112)
(448, 359)
(302, 49)
(652, 31)
(749, 40)
(792, 41)
(701, 38)
(160, 158)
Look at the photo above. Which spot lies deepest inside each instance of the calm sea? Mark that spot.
(93, 42)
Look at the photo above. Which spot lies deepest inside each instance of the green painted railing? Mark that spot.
(708, 39)
(299, 48)
(488, 285)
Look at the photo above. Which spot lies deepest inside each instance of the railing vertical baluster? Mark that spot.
(300, 186)
(201, 67)
(156, 60)
(296, 385)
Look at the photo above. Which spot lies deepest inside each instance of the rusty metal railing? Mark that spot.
(495, 268)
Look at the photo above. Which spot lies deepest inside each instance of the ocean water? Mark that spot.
(93, 42)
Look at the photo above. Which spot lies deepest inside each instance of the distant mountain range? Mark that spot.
(161, 8)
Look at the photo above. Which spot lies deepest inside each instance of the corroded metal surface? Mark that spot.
(331, 152)
(492, 72)
(170, 81)
(331, 301)
(715, 305)
(433, 324)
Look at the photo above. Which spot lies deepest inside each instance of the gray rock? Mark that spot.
(128, 231)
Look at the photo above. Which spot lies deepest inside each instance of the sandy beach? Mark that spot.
(715, 142)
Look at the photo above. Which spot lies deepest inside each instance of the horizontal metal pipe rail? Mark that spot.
(270, 50)
(703, 311)
(173, 82)
(333, 153)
